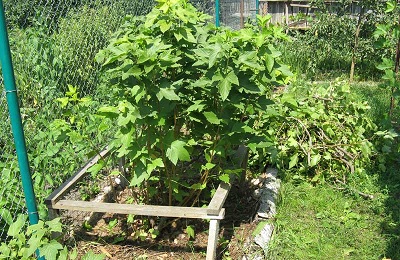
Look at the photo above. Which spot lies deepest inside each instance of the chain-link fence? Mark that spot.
(235, 13)
(11, 195)
(53, 45)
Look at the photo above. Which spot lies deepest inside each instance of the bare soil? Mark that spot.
(117, 238)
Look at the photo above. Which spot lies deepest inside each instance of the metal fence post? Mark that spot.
(15, 118)
(217, 13)
(257, 7)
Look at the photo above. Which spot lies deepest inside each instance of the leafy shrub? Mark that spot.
(24, 245)
(323, 132)
(186, 93)
(65, 142)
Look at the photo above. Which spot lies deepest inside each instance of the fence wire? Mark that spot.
(235, 13)
(53, 45)
(11, 195)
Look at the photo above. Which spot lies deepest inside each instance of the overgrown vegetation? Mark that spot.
(176, 96)
(339, 41)
(324, 132)
(36, 242)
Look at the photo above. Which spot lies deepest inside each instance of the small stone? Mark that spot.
(257, 193)
(255, 182)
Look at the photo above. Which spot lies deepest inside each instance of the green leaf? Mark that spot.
(250, 59)
(167, 93)
(270, 62)
(365, 149)
(154, 165)
(232, 78)
(177, 152)
(315, 159)
(5, 215)
(108, 111)
(54, 225)
(96, 168)
(92, 256)
(164, 25)
(15, 228)
(197, 106)
(293, 160)
(63, 254)
(198, 186)
(74, 254)
(285, 70)
(386, 64)
(190, 231)
(208, 166)
(224, 177)
(216, 49)
(224, 87)
(64, 101)
(390, 6)
(212, 118)
(50, 250)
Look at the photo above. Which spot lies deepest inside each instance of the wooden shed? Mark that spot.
(296, 13)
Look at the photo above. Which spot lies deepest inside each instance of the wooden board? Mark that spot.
(300, 5)
(143, 210)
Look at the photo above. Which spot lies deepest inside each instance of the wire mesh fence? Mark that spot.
(235, 13)
(11, 195)
(53, 45)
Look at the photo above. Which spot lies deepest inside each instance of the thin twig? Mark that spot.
(362, 194)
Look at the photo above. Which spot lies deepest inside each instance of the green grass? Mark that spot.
(323, 222)
(377, 96)
(320, 222)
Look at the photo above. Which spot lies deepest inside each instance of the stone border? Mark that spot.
(267, 193)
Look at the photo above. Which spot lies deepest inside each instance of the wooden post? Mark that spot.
(212, 240)
(287, 16)
(241, 13)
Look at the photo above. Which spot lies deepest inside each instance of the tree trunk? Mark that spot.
(355, 47)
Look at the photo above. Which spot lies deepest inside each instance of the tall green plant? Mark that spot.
(184, 89)
(388, 37)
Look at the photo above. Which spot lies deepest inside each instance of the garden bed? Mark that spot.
(60, 199)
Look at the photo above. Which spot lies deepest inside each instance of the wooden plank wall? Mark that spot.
(282, 11)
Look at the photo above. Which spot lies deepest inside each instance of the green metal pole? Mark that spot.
(257, 6)
(15, 118)
(217, 13)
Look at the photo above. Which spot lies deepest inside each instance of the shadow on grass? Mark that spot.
(390, 182)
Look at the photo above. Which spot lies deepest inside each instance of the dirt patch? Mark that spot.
(134, 237)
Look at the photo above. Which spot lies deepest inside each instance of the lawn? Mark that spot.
(328, 221)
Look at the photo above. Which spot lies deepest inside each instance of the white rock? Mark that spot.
(263, 238)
